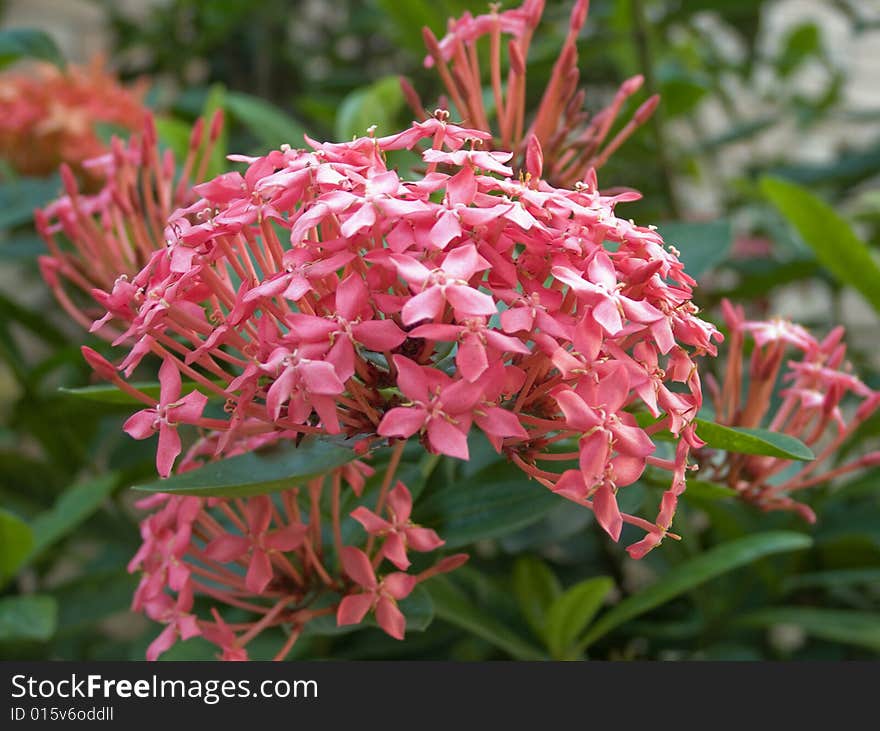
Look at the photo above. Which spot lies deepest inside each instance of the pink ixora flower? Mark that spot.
(561, 138)
(377, 595)
(812, 389)
(259, 542)
(399, 532)
(379, 306)
(165, 416)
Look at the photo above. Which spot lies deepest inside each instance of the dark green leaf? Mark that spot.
(693, 572)
(836, 625)
(495, 501)
(572, 612)
(454, 607)
(703, 244)
(833, 579)
(31, 617)
(829, 235)
(753, 441)
(536, 588)
(258, 473)
(109, 394)
(267, 123)
(16, 542)
(72, 508)
(20, 43)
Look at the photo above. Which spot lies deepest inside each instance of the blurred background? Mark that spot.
(749, 88)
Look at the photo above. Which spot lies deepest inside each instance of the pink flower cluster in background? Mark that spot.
(573, 141)
(820, 401)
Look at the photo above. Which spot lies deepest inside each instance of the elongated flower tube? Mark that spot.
(321, 293)
(561, 131)
(99, 241)
(819, 400)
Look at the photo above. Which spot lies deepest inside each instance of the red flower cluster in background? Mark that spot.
(572, 141)
(50, 116)
(812, 405)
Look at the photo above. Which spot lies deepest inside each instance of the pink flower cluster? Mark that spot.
(264, 559)
(573, 141)
(820, 401)
(321, 293)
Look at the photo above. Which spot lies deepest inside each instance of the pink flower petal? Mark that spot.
(358, 567)
(607, 512)
(353, 608)
(390, 618)
(447, 439)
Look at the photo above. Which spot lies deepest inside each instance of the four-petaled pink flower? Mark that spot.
(440, 406)
(176, 615)
(399, 531)
(447, 283)
(166, 415)
(260, 541)
(379, 596)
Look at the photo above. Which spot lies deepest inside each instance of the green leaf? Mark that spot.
(31, 617)
(20, 43)
(693, 572)
(258, 473)
(174, 134)
(572, 612)
(703, 244)
(452, 606)
(835, 625)
(19, 198)
(536, 588)
(829, 235)
(702, 490)
(266, 122)
(377, 104)
(16, 542)
(109, 394)
(833, 579)
(494, 502)
(72, 508)
(753, 441)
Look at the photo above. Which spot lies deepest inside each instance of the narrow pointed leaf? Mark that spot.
(492, 503)
(835, 625)
(572, 612)
(259, 473)
(74, 506)
(110, 394)
(753, 441)
(454, 607)
(536, 588)
(692, 573)
(16, 542)
(830, 236)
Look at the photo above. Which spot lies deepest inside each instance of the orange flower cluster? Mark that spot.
(51, 115)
